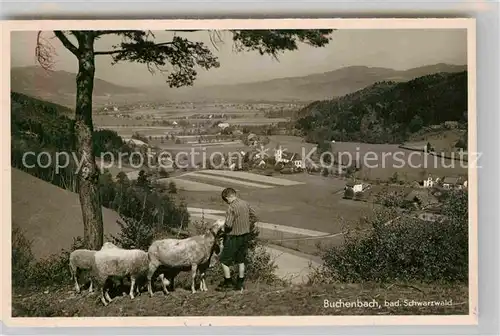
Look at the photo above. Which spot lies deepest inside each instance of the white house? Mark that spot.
(430, 182)
(280, 156)
(355, 186)
(223, 125)
(134, 142)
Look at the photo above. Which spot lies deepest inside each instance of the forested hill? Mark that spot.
(41, 126)
(387, 112)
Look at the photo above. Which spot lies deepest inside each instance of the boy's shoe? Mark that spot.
(240, 284)
(225, 285)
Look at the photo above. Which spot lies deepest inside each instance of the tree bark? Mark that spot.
(88, 175)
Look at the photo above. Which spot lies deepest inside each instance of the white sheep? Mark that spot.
(177, 255)
(117, 262)
(81, 259)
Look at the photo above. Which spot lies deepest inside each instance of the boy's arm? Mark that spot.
(253, 217)
(228, 225)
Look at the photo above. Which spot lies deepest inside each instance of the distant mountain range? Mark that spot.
(313, 87)
(60, 86)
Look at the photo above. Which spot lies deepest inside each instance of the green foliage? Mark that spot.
(107, 141)
(106, 190)
(28, 272)
(416, 124)
(394, 198)
(134, 234)
(273, 42)
(172, 188)
(394, 178)
(387, 112)
(348, 193)
(143, 180)
(405, 249)
(40, 126)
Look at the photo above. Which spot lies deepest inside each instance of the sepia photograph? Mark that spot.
(242, 169)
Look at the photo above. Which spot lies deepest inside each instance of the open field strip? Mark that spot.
(294, 238)
(211, 214)
(191, 185)
(228, 180)
(253, 177)
(221, 143)
(234, 178)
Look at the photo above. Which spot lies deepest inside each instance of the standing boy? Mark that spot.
(240, 221)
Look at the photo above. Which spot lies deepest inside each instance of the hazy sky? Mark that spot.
(397, 49)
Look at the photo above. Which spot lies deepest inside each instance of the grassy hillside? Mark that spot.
(60, 86)
(320, 86)
(49, 216)
(297, 300)
(387, 112)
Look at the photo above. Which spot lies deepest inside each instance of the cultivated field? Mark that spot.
(385, 160)
(302, 201)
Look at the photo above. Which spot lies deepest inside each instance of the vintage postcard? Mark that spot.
(239, 172)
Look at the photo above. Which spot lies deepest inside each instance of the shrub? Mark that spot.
(172, 188)
(348, 193)
(134, 234)
(28, 272)
(405, 249)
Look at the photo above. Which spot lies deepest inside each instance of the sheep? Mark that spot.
(117, 262)
(81, 259)
(177, 255)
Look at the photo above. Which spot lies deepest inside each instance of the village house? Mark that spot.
(223, 125)
(430, 182)
(253, 140)
(134, 142)
(420, 199)
(281, 156)
(452, 183)
(356, 186)
(298, 162)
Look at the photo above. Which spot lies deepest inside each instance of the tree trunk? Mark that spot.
(88, 175)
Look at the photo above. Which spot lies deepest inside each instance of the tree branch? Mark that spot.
(117, 51)
(66, 42)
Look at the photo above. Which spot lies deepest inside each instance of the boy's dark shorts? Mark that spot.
(235, 249)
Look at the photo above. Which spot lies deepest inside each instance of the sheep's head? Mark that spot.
(217, 228)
